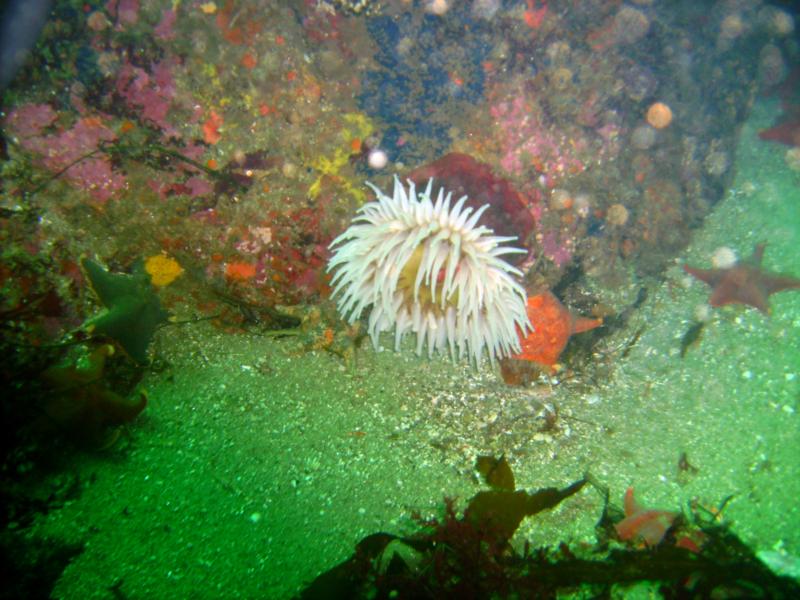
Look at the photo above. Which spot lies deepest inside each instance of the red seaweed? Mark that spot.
(509, 211)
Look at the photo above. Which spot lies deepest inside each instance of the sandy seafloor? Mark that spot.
(254, 468)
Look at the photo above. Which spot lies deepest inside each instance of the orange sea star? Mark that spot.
(553, 325)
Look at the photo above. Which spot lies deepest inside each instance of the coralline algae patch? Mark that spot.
(71, 149)
(428, 67)
(531, 145)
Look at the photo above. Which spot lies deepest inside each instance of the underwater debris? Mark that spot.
(686, 470)
(319, 328)
(255, 314)
(239, 174)
(132, 309)
(744, 283)
(160, 157)
(502, 511)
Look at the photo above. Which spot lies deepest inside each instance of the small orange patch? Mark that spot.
(535, 15)
(126, 126)
(93, 121)
(325, 341)
(575, 169)
(249, 61)
(239, 271)
(211, 134)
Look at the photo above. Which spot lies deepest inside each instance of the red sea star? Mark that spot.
(641, 524)
(744, 282)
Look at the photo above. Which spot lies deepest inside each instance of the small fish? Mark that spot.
(691, 337)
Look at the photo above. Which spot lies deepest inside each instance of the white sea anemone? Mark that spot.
(429, 268)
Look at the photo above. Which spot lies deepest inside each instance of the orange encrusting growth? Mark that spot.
(553, 325)
(249, 60)
(239, 271)
(211, 133)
